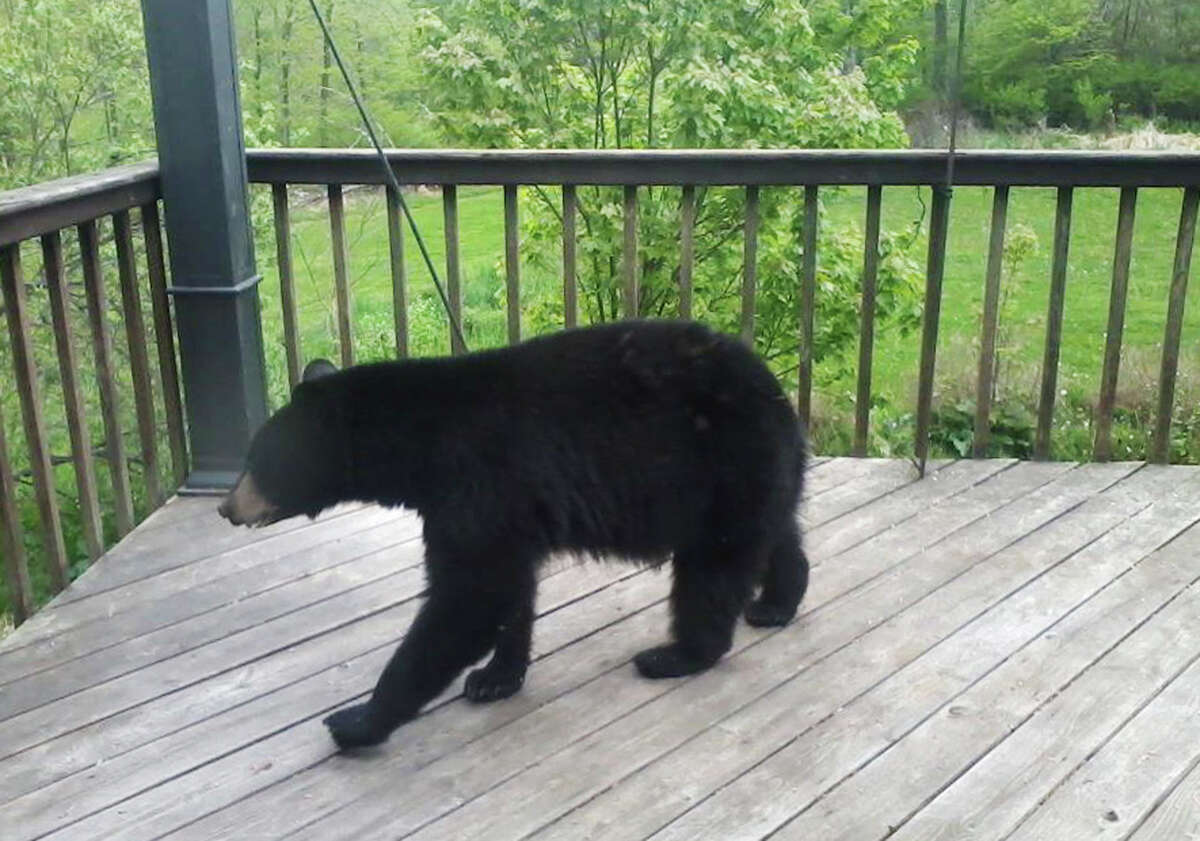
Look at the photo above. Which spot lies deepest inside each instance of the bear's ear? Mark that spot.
(316, 369)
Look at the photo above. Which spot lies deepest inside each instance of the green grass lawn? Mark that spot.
(481, 242)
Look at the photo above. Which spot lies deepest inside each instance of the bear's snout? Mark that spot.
(246, 506)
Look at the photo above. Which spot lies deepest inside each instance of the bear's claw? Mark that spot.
(486, 684)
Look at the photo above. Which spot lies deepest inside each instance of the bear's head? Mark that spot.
(295, 464)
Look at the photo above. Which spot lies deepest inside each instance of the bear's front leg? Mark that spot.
(452, 630)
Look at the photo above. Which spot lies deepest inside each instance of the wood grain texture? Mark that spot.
(866, 332)
(12, 539)
(967, 642)
(68, 369)
(29, 389)
(453, 263)
(102, 350)
(749, 265)
(1102, 446)
(569, 245)
(687, 249)
(287, 283)
(164, 340)
(629, 255)
(139, 359)
(341, 274)
(399, 272)
(1054, 323)
(985, 383)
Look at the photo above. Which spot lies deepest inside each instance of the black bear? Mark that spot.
(646, 440)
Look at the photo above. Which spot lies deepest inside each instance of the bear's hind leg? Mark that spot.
(505, 672)
(452, 630)
(784, 582)
(707, 595)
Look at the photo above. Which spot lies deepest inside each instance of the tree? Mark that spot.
(649, 73)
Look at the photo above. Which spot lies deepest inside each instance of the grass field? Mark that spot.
(481, 239)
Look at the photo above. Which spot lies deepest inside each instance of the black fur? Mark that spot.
(646, 440)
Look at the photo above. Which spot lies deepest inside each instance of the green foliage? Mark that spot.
(73, 88)
(624, 73)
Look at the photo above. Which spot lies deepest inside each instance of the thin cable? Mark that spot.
(391, 176)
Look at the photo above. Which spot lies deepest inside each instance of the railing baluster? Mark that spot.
(345, 315)
(1102, 448)
(1161, 444)
(399, 272)
(808, 288)
(629, 252)
(453, 270)
(750, 264)
(991, 316)
(12, 545)
(570, 283)
(1054, 320)
(687, 249)
(866, 343)
(77, 426)
(287, 282)
(935, 269)
(139, 361)
(164, 336)
(512, 263)
(97, 303)
(29, 390)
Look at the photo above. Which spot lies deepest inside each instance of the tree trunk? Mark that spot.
(285, 74)
(326, 80)
(258, 62)
(940, 47)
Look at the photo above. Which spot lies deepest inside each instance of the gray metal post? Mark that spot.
(197, 114)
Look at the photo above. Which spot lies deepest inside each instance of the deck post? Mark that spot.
(197, 116)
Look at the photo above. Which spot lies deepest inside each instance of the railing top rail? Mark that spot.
(729, 167)
(53, 205)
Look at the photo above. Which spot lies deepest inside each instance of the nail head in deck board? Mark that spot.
(164, 336)
(77, 426)
(399, 272)
(991, 316)
(866, 340)
(1102, 449)
(808, 288)
(569, 244)
(12, 544)
(1054, 320)
(29, 389)
(287, 284)
(749, 265)
(114, 442)
(687, 248)
(139, 361)
(453, 272)
(629, 254)
(935, 269)
(512, 263)
(1161, 442)
(341, 279)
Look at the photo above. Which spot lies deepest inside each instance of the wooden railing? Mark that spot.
(809, 170)
(78, 209)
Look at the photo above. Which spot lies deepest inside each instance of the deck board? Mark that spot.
(998, 650)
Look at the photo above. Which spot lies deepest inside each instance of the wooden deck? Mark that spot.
(998, 651)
